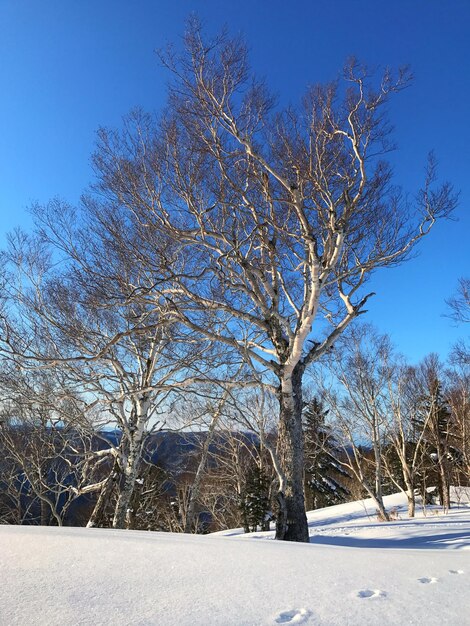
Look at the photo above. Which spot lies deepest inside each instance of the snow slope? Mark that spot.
(355, 571)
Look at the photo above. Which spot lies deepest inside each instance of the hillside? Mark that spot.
(355, 571)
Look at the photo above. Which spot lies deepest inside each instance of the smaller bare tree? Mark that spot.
(459, 304)
(360, 406)
(47, 447)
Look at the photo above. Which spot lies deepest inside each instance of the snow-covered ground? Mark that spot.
(355, 571)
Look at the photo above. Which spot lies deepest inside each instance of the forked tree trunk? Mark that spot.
(375, 495)
(122, 513)
(377, 499)
(99, 511)
(381, 510)
(135, 441)
(291, 523)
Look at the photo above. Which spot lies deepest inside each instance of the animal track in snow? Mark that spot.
(428, 581)
(371, 593)
(456, 571)
(295, 616)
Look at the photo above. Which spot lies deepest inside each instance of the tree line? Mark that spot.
(373, 425)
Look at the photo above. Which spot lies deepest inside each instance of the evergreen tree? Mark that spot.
(323, 469)
(255, 500)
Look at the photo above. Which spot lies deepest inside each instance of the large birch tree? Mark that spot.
(281, 215)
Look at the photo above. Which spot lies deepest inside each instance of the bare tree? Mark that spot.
(215, 413)
(70, 291)
(440, 433)
(360, 406)
(406, 433)
(47, 448)
(283, 214)
(458, 397)
(232, 421)
(459, 304)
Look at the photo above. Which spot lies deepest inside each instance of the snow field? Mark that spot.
(396, 573)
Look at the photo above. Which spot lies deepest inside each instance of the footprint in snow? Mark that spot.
(456, 571)
(295, 616)
(428, 581)
(371, 593)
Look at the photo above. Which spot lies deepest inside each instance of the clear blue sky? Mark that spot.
(69, 66)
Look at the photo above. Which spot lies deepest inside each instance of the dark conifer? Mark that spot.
(323, 470)
(255, 500)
